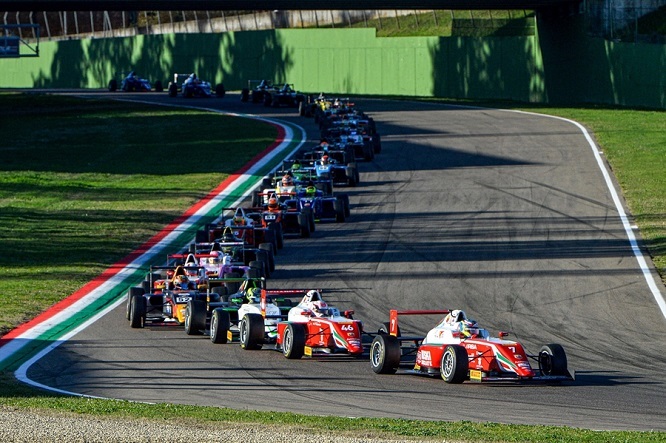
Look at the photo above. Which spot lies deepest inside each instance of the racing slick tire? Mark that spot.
(351, 173)
(217, 292)
(311, 219)
(301, 108)
(262, 255)
(377, 143)
(201, 236)
(268, 100)
(304, 225)
(158, 86)
(233, 287)
(251, 331)
(293, 341)
(553, 360)
(339, 211)
(269, 254)
(195, 317)
(245, 95)
(279, 236)
(254, 273)
(220, 91)
(368, 152)
(113, 85)
(257, 199)
(385, 354)
(134, 290)
(173, 89)
(257, 269)
(219, 326)
(270, 237)
(345, 201)
(137, 311)
(454, 365)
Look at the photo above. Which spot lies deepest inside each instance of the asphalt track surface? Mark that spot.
(503, 214)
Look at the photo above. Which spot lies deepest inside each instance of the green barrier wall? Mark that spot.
(549, 67)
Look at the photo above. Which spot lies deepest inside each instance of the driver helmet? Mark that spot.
(324, 160)
(214, 258)
(239, 220)
(191, 271)
(296, 166)
(253, 294)
(226, 260)
(468, 328)
(310, 190)
(287, 180)
(183, 281)
(272, 203)
(320, 308)
(228, 237)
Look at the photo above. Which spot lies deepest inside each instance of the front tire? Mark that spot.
(137, 311)
(252, 331)
(553, 360)
(219, 326)
(293, 341)
(454, 364)
(220, 91)
(195, 317)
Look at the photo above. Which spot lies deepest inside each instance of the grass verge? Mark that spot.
(84, 182)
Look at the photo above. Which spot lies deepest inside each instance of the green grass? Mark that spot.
(22, 397)
(446, 23)
(84, 182)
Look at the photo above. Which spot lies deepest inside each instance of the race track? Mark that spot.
(505, 215)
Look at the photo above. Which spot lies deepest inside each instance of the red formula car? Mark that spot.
(459, 350)
(310, 328)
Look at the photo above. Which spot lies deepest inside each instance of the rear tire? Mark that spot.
(269, 254)
(385, 354)
(113, 85)
(233, 287)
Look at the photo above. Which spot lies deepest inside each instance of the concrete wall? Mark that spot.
(559, 65)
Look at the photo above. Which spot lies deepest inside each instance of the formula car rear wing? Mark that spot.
(393, 318)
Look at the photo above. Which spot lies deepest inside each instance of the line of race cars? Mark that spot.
(188, 85)
(219, 286)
